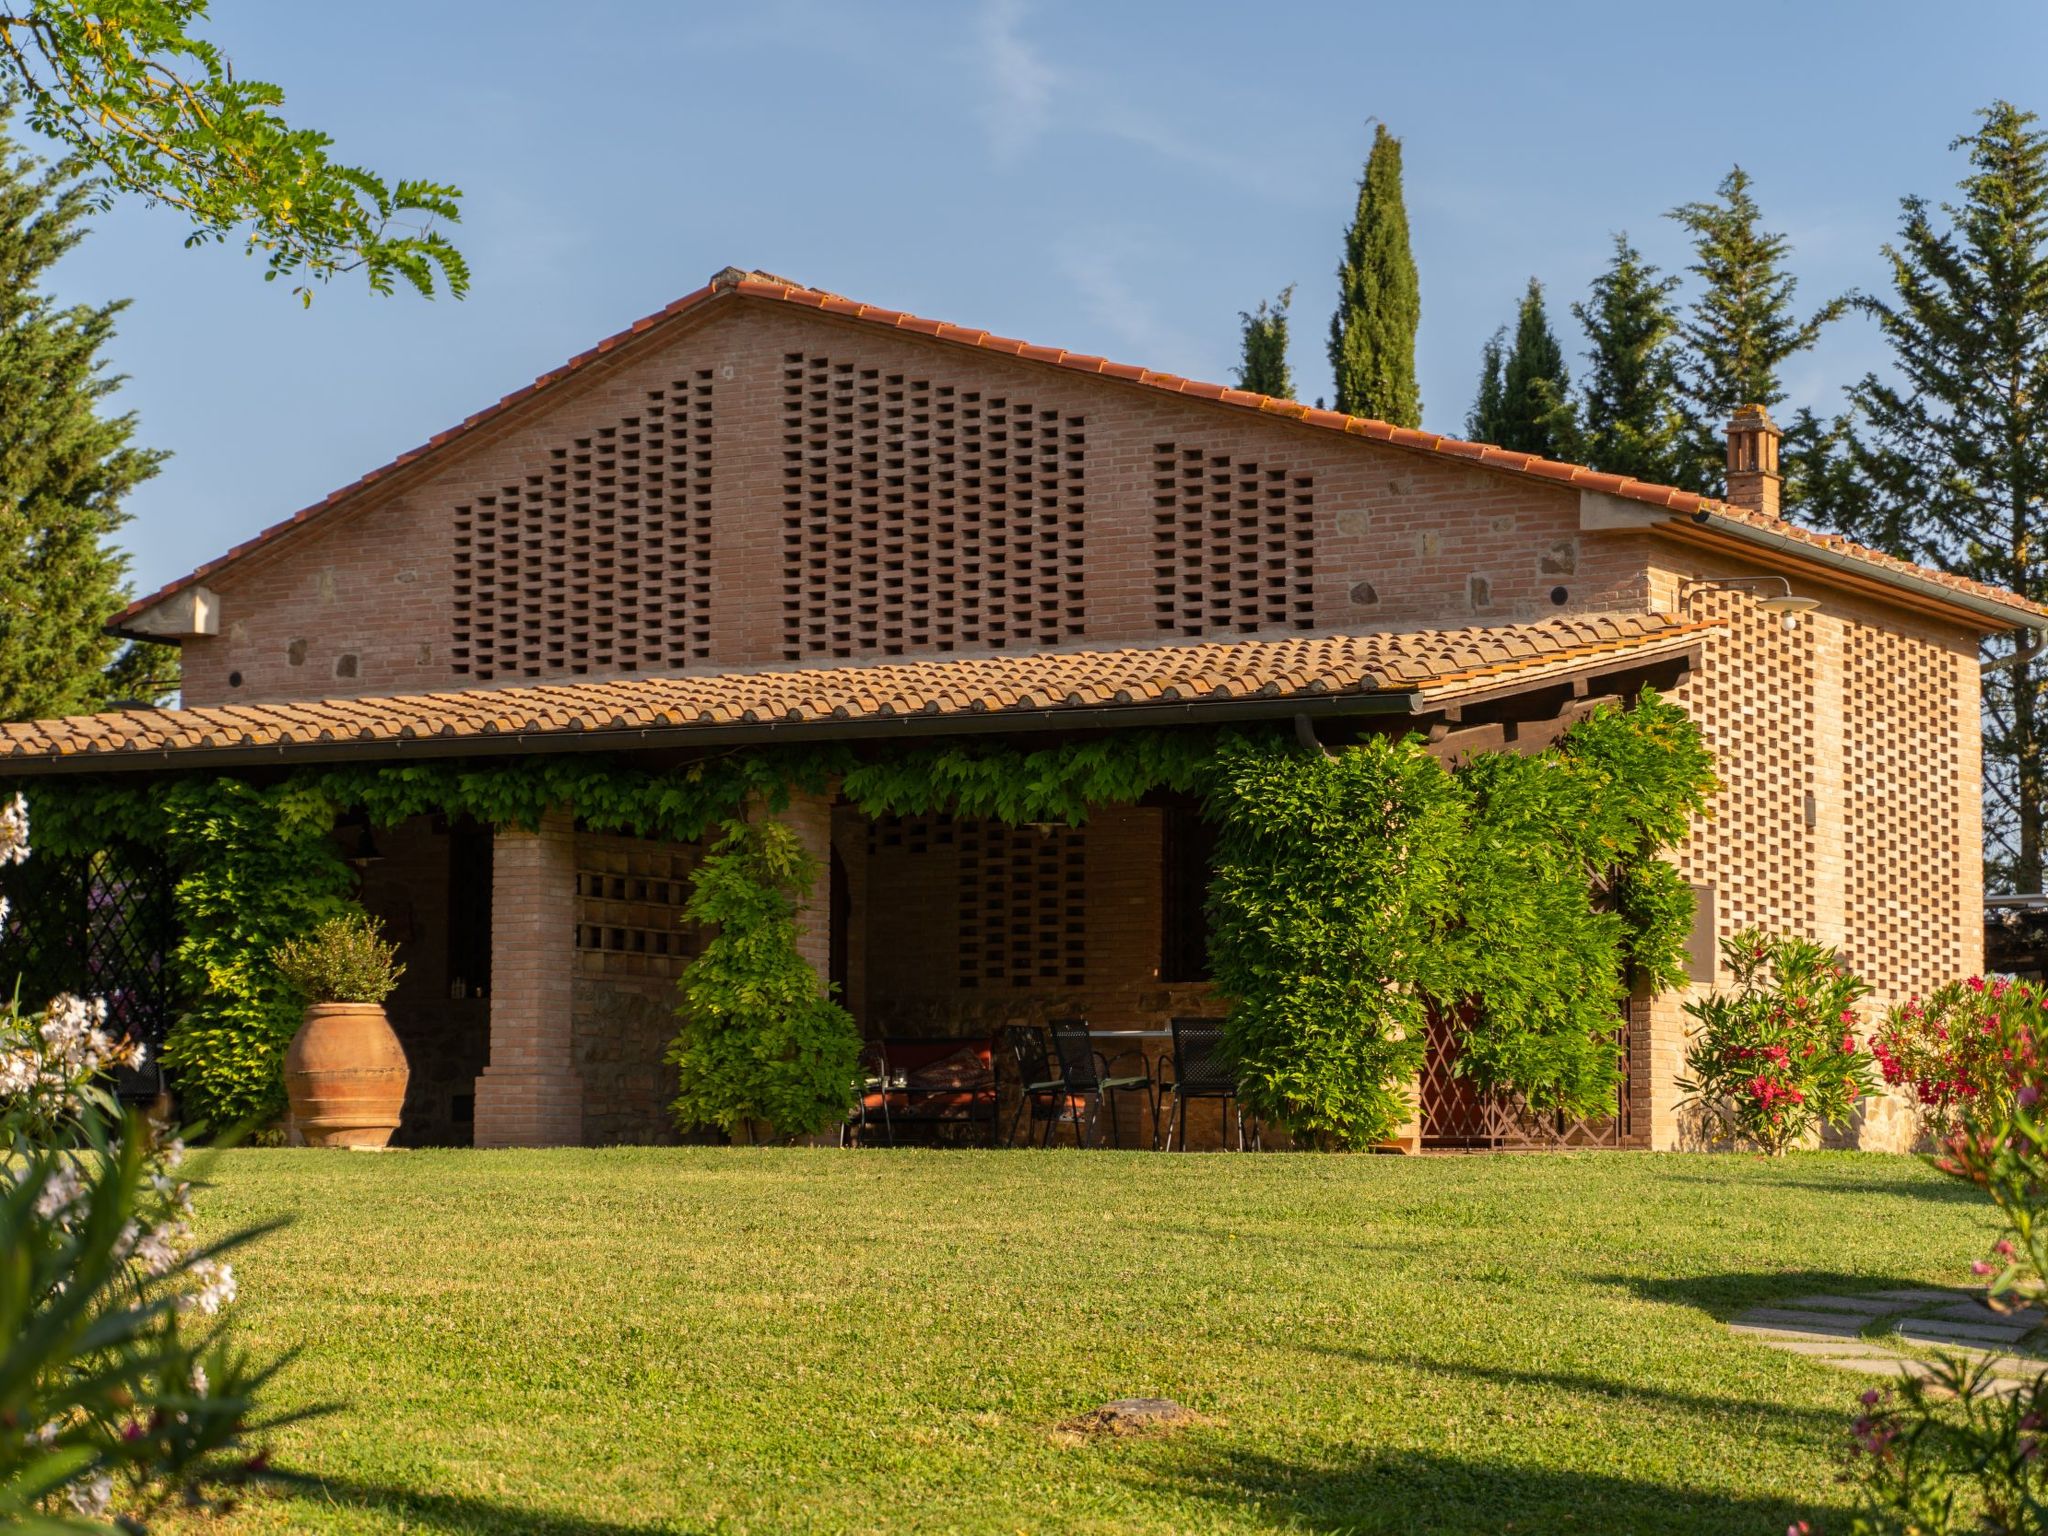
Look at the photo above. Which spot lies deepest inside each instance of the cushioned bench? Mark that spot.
(944, 1080)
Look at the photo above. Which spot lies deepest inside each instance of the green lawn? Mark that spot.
(595, 1343)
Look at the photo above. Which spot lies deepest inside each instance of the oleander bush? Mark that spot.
(1954, 1453)
(120, 1391)
(1963, 1041)
(1778, 1056)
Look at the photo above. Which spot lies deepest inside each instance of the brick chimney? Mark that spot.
(1753, 478)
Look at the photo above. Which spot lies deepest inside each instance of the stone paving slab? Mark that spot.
(1832, 1330)
(1869, 1306)
(1848, 1323)
(1940, 1332)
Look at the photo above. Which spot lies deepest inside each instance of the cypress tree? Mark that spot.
(1379, 301)
(1948, 460)
(1536, 414)
(1633, 424)
(64, 466)
(1741, 328)
(1264, 368)
(1483, 422)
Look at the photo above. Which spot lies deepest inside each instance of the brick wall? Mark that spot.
(773, 485)
(631, 946)
(1848, 749)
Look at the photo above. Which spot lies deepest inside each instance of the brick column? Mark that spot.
(810, 817)
(531, 1095)
(1829, 794)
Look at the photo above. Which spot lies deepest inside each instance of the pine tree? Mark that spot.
(1379, 300)
(1633, 424)
(1264, 370)
(1948, 460)
(1483, 422)
(1741, 329)
(1536, 414)
(64, 466)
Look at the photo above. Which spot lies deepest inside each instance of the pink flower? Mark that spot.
(1870, 1398)
(1979, 1267)
(1848, 1045)
(2003, 1247)
(2029, 1095)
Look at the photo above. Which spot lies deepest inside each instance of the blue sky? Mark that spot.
(1114, 178)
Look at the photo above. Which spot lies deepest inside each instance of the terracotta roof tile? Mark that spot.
(1435, 663)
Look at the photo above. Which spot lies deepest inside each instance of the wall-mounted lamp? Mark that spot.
(1786, 605)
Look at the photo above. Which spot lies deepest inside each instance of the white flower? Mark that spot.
(157, 1250)
(199, 1381)
(59, 1190)
(19, 1071)
(92, 1496)
(14, 831)
(138, 1053)
(216, 1283)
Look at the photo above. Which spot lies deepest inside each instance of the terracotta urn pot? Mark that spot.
(345, 1074)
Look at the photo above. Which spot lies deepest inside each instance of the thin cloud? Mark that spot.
(1118, 305)
(1018, 105)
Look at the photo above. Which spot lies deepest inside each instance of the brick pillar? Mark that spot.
(531, 1095)
(810, 817)
(1828, 794)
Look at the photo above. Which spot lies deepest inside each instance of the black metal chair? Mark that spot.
(1092, 1086)
(874, 1094)
(1201, 1072)
(1041, 1089)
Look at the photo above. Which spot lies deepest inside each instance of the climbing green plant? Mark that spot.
(1334, 881)
(260, 869)
(257, 868)
(761, 1043)
(1360, 894)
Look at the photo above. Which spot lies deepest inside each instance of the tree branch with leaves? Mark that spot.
(148, 107)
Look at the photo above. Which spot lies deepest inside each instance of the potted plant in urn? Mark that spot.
(345, 1071)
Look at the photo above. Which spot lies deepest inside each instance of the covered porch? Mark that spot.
(543, 954)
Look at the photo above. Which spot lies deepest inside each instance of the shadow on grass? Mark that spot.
(1799, 1423)
(452, 1514)
(1416, 1492)
(1722, 1296)
(1941, 1189)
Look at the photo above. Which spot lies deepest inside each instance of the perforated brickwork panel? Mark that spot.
(1023, 910)
(913, 834)
(602, 561)
(924, 517)
(1233, 544)
(1753, 699)
(1901, 837)
(630, 894)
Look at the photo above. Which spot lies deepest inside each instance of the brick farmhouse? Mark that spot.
(768, 513)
